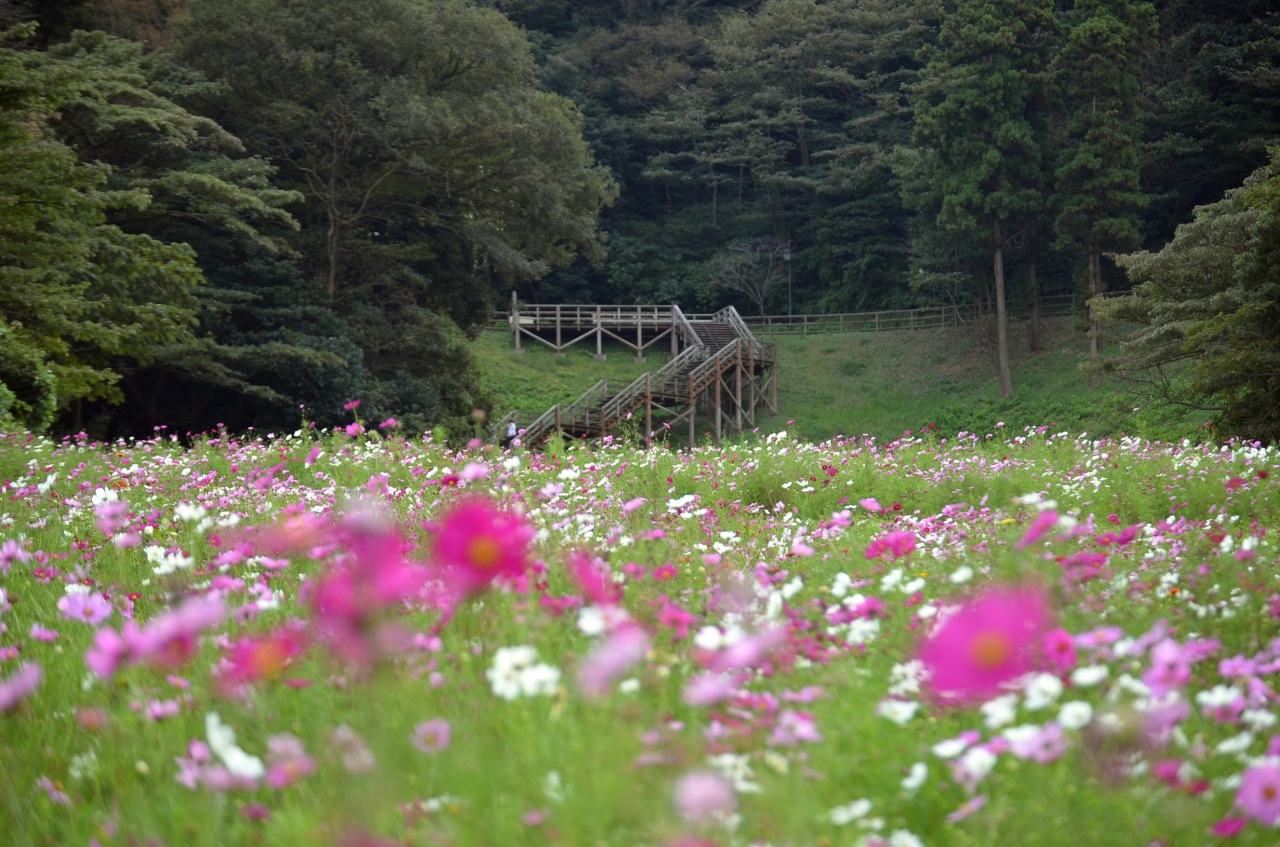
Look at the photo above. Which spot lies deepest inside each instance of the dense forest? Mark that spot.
(219, 211)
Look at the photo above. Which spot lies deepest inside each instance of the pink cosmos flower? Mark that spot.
(92, 608)
(351, 406)
(371, 577)
(707, 689)
(967, 808)
(1060, 649)
(252, 659)
(11, 551)
(991, 640)
(1170, 668)
(593, 578)
(871, 504)
(389, 423)
(749, 651)
(704, 796)
(287, 761)
(633, 504)
(169, 640)
(1259, 794)
(158, 710)
(112, 515)
(1228, 827)
(626, 646)
(1040, 527)
(895, 545)
(354, 429)
(477, 544)
(19, 686)
(40, 633)
(53, 791)
(794, 728)
(431, 736)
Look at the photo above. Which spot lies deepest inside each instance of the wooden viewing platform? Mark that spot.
(717, 367)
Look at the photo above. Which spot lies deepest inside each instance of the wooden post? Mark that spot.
(639, 335)
(751, 381)
(718, 380)
(693, 407)
(515, 319)
(773, 377)
(648, 409)
(806, 325)
(559, 352)
(877, 329)
(675, 339)
(600, 357)
(737, 388)
(559, 428)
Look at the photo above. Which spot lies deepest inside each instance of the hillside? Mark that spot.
(880, 384)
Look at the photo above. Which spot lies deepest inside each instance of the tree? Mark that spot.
(77, 294)
(976, 103)
(751, 268)
(1098, 192)
(1208, 304)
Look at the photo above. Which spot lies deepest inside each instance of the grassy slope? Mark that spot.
(880, 384)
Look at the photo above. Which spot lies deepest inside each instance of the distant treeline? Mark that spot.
(251, 205)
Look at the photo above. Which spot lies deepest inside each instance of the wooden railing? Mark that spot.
(931, 317)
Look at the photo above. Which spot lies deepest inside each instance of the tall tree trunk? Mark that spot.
(1095, 288)
(1002, 317)
(1033, 289)
(715, 193)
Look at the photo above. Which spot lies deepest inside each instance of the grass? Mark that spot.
(536, 379)
(879, 384)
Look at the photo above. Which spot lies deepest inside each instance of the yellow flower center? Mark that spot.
(483, 552)
(990, 650)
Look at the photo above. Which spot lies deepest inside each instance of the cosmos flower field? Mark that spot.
(361, 639)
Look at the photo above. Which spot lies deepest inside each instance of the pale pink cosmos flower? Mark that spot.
(1170, 668)
(795, 727)
(287, 761)
(40, 633)
(112, 515)
(11, 551)
(356, 756)
(707, 689)
(19, 686)
(626, 646)
(704, 796)
(991, 640)
(871, 504)
(1259, 794)
(633, 504)
(431, 736)
(967, 808)
(92, 608)
(53, 791)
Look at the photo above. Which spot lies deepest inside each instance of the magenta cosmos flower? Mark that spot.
(477, 544)
(991, 640)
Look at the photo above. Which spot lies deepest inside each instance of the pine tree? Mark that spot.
(1097, 176)
(976, 112)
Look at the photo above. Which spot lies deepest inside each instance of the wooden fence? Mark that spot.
(931, 317)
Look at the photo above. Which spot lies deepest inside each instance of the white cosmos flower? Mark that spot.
(898, 711)
(1088, 676)
(1000, 712)
(912, 781)
(961, 575)
(1075, 715)
(222, 741)
(850, 812)
(1041, 691)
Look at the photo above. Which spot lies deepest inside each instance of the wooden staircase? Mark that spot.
(722, 370)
